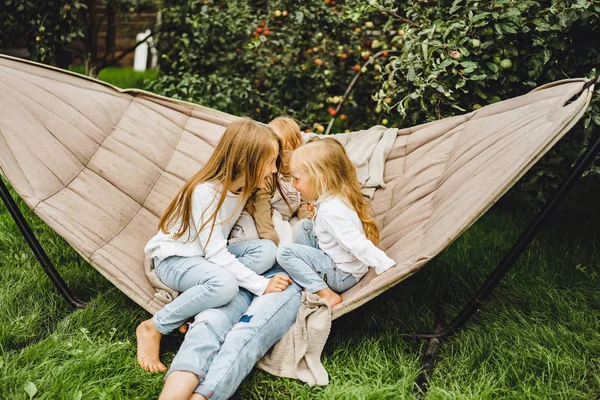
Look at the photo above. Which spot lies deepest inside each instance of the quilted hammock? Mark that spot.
(99, 165)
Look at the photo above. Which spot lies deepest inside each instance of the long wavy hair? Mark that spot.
(243, 150)
(325, 163)
(288, 130)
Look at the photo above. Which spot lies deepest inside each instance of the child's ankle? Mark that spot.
(332, 297)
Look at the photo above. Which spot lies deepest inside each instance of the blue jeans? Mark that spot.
(309, 266)
(223, 344)
(205, 285)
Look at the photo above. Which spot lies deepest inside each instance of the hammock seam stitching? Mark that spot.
(150, 191)
(134, 214)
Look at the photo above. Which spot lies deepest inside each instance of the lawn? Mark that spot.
(122, 77)
(538, 336)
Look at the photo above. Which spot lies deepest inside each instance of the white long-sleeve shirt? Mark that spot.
(204, 203)
(340, 234)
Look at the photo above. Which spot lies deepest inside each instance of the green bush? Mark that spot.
(48, 28)
(460, 55)
(265, 58)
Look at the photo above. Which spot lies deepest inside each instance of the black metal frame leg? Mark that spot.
(513, 254)
(37, 249)
(442, 330)
(430, 356)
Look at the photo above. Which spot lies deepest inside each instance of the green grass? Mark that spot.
(124, 78)
(538, 337)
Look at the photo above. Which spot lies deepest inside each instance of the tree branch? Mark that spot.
(100, 21)
(132, 48)
(400, 17)
(371, 60)
(106, 62)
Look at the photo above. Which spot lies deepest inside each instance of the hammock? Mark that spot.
(99, 165)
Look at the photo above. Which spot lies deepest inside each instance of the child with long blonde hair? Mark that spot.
(190, 250)
(270, 211)
(334, 250)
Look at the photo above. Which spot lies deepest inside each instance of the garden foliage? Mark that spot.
(60, 32)
(460, 55)
(47, 28)
(265, 58)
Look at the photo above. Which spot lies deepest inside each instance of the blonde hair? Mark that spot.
(325, 164)
(288, 130)
(243, 150)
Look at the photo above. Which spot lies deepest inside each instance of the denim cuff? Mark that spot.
(159, 327)
(315, 289)
(186, 368)
(203, 391)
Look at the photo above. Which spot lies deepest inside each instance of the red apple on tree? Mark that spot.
(456, 55)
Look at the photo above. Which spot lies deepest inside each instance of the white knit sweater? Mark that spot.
(204, 202)
(340, 234)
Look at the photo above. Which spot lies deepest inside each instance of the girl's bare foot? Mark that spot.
(186, 326)
(180, 385)
(148, 347)
(332, 297)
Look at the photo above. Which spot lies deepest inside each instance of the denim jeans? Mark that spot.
(223, 344)
(205, 285)
(309, 266)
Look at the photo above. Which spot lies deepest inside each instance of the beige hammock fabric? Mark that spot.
(99, 165)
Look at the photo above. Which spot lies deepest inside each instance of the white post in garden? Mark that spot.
(141, 52)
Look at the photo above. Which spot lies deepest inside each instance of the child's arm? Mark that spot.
(340, 224)
(261, 212)
(215, 249)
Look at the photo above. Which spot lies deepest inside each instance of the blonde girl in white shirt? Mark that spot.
(334, 250)
(190, 250)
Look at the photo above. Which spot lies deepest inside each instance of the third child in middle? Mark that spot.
(334, 250)
(269, 213)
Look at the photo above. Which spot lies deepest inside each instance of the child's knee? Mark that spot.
(225, 287)
(284, 253)
(303, 226)
(269, 251)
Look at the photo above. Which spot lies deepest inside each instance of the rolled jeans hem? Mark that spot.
(160, 327)
(183, 367)
(311, 290)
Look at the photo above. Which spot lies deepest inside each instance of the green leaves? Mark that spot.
(488, 51)
(469, 66)
(450, 57)
(30, 389)
(246, 59)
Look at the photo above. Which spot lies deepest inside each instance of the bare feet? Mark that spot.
(186, 326)
(148, 343)
(180, 385)
(332, 297)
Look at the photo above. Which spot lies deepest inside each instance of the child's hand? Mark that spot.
(310, 206)
(278, 283)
